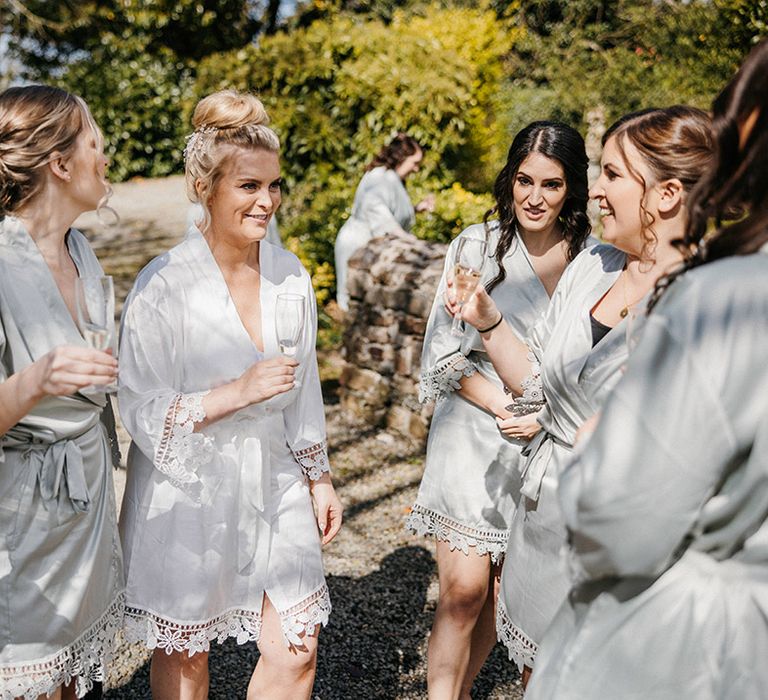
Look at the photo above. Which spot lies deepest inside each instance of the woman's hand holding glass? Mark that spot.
(69, 368)
(479, 310)
(267, 378)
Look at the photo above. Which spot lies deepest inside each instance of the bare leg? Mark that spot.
(282, 672)
(464, 584)
(527, 671)
(484, 634)
(178, 676)
(56, 695)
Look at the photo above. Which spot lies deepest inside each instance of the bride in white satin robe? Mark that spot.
(229, 453)
(212, 520)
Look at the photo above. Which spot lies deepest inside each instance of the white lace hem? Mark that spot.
(424, 521)
(84, 661)
(157, 632)
(182, 451)
(303, 619)
(313, 460)
(520, 648)
(435, 384)
(532, 398)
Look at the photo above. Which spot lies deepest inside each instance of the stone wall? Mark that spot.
(392, 283)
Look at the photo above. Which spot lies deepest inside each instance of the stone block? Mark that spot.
(413, 325)
(360, 411)
(404, 421)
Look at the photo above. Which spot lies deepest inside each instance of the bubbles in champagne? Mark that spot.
(465, 280)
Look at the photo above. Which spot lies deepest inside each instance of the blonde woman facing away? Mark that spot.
(61, 579)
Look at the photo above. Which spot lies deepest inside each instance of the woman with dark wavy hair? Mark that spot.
(650, 162)
(382, 205)
(471, 481)
(667, 504)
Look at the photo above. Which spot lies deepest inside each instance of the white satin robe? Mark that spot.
(381, 205)
(667, 505)
(213, 520)
(575, 378)
(471, 482)
(61, 574)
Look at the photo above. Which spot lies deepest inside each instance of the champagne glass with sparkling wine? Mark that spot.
(95, 306)
(467, 270)
(289, 322)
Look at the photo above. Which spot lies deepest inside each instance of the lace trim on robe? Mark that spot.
(520, 648)
(435, 384)
(156, 632)
(313, 460)
(424, 521)
(303, 619)
(182, 451)
(84, 660)
(532, 398)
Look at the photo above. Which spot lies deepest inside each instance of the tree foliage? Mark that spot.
(339, 77)
(337, 90)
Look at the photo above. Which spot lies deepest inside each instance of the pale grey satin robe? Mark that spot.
(213, 520)
(575, 379)
(61, 578)
(471, 481)
(381, 205)
(667, 506)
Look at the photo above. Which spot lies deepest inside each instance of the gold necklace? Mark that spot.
(625, 311)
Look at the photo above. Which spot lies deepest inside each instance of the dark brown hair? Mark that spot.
(395, 152)
(675, 142)
(736, 186)
(558, 142)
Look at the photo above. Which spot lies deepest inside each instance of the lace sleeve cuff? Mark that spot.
(313, 461)
(532, 398)
(439, 381)
(181, 450)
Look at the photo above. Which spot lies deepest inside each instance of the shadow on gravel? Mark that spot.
(371, 642)
(377, 625)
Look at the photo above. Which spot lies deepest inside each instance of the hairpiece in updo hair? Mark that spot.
(196, 141)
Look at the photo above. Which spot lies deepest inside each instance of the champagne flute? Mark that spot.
(289, 322)
(469, 261)
(95, 307)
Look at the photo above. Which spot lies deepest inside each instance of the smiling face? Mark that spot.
(622, 196)
(245, 197)
(539, 192)
(87, 167)
(410, 164)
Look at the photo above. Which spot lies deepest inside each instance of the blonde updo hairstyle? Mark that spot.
(223, 121)
(36, 121)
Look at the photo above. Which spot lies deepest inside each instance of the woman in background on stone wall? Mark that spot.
(381, 205)
(61, 578)
(667, 507)
(470, 486)
(650, 162)
(229, 451)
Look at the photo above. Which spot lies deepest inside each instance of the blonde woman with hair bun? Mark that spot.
(61, 579)
(229, 452)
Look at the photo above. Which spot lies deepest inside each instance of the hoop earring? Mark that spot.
(106, 215)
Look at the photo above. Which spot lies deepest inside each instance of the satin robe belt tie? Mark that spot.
(255, 480)
(539, 455)
(60, 472)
